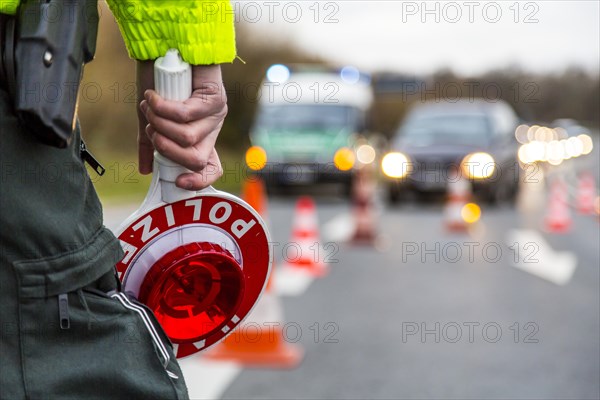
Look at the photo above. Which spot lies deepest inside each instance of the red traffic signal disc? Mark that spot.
(200, 264)
(193, 290)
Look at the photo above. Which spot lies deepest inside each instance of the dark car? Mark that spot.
(436, 141)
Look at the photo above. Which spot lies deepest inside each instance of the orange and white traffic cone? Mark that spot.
(255, 194)
(363, 191)
(260, 340)
(586, 193)
(459, 194)
(304, 252)
(558, 218)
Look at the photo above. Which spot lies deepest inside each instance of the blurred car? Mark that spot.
(436, 141)
(307, 127)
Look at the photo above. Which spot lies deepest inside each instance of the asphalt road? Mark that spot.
(430, 314)
(381, 302)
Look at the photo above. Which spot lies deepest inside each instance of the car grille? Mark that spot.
(432, 174)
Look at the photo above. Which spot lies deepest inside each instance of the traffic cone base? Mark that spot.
(586, 194)
(363, 194)
(272, 352)
(364, 233)
(260, 342)
(366, 238)
(454, 221)
(558, 226)
(459, 194)
(456, 227)
(316, 269)
(558, 218)
(305, 236)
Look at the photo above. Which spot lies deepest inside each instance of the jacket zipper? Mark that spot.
(89, 158)
(63, 311)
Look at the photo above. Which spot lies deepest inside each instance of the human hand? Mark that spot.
(184, 132)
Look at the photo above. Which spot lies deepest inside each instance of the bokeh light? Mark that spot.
(344, 159)
(521, 133)
(576, 146)
(365, 154)
(395, 165)
(278, 73)
(256, 158)
(350, 74)
(587, 143)
(479, 165)
(470, 213)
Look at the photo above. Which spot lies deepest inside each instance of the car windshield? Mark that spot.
(446, 129)
(306, 117)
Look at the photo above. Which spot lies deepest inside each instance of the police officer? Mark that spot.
(66, 329)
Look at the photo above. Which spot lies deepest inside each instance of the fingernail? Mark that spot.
(144, 106)
(147, 94)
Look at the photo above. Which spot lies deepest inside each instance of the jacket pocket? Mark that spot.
(80, 342)
(69, 271)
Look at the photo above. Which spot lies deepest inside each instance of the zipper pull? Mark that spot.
(63, 311)
(89, 158)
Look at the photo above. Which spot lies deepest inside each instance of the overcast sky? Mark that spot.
(416, 37)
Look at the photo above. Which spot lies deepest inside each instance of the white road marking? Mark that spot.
(208, 379)
(536, 256)
(339, 229)
(291, 281)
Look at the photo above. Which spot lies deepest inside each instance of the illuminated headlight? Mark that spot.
(478, 165)
(365, 154)
(256, 158)
(278, 73)
(344, 159)
(395, 165)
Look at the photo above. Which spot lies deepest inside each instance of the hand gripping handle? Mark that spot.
(172, 81)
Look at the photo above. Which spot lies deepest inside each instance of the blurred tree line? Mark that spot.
(539, 98)
(108, 104)
(108, 97)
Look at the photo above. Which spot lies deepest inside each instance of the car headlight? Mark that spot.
(366, 154)
(344, 159)
(395, 165)
(478, 165)
(256, 158)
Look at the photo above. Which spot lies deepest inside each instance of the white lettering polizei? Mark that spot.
(146, 223)
(226, 214)
(241, 227)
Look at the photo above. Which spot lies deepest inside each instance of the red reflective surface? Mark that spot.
(193, 290)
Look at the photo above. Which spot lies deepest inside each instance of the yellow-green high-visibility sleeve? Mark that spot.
(9, 6)
(201, 30)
